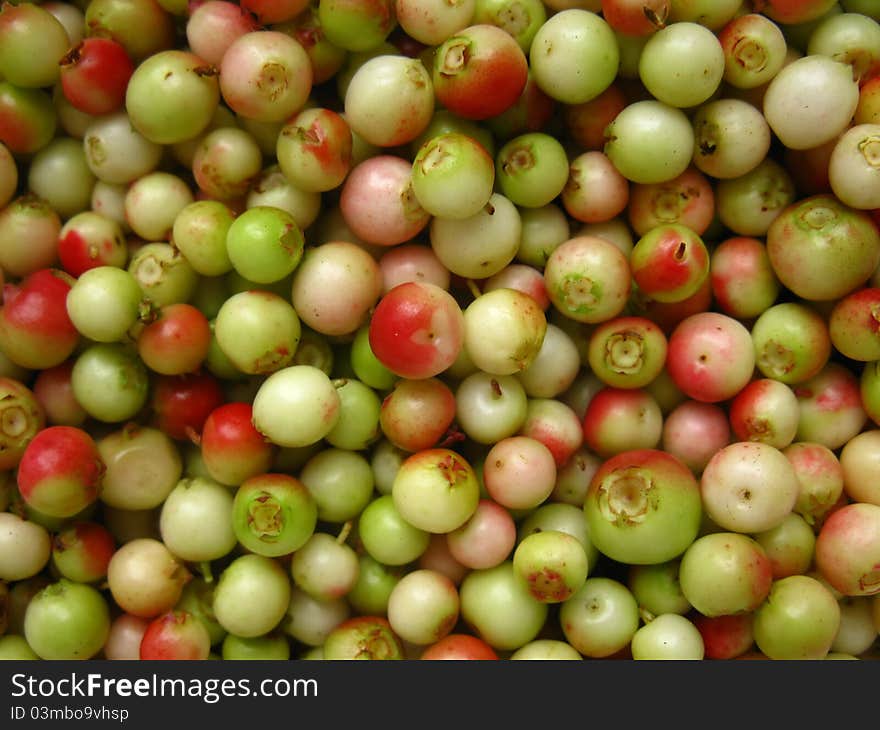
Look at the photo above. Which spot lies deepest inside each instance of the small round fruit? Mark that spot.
(302, 389)
(67, 621)
(553, 565)
(643, 507)
(436, 490)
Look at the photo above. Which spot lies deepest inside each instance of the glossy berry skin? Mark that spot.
(854, 325)
(795, 11)
(743, 282)
(95, 74)
(725, 573)
(459, 647)
(389, 100)
(710, 356)
(821, 249)
(265, 75)
(725, 637)
(60, 471)
(452, 175)
(269, 12)
(30, 225)
(694, 431)
(417, 413)
(417, 330)
(636, 17)
(670, 263)
(377, 201)
(27, 118)
(356, 25)
(436, 490)
(848, 549)
(82, 551)
(66, 620)
(799, 620)
(831, 410)
(619, 419)
(314, 150)
(232, 449)
(31, 42)
(363, 637)
(554, 424)
(88, 240)
(754, 50)
(479, 72)
(143, 27)
(765, 410)
(177, 342)
(588, 279)
(643, 507)
(35, 329)
(212, 26)
(792, 342)
(182, 403)
(176, 635)
(567, 43)
(172, 96)
(586, 122)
